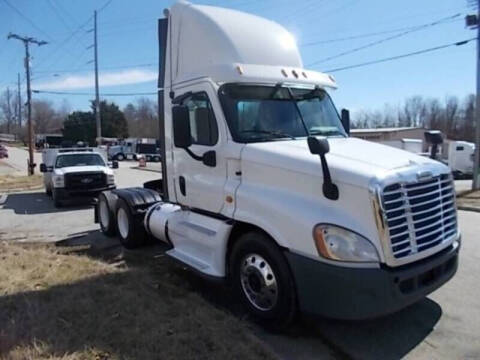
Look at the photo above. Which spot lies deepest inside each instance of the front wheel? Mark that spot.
(56, 201)
(262, 279)
(120, 157)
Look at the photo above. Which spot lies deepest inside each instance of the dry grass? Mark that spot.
(470, 199)
(9, 183)
(71, 306)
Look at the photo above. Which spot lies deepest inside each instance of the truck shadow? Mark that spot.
(389, 337)
(39, 203)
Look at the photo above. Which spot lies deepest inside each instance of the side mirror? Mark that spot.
(43, 168)
(181, 127)
(346, 120)
(318, 146)
(114, 164)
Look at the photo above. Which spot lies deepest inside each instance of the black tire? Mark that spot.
(129, 229)
(48, 191)
(119, 157)
(156, 158)
(106, 216)
(148, 158)
(282, 311)
(56, 201)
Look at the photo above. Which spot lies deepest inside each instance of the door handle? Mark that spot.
(182, 185)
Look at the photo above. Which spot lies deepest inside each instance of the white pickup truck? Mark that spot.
(263, 187)
(76, 172)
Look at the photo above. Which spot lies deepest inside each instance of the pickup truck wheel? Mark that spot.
(106, 216)
(262, 279)
(48, 191)
(130, 231)
(56, 201)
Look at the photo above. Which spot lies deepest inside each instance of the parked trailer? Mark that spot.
(262, 186)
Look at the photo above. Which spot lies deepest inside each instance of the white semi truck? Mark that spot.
(263, 187)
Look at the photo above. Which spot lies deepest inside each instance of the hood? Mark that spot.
(79, 169)
(350, 160)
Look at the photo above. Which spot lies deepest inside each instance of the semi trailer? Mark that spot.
(262, 186)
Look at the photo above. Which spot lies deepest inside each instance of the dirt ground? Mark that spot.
(64, 302)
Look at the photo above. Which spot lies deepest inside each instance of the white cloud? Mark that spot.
(125, 77)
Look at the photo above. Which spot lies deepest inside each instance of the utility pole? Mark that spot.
(97, 95)
(19, 101)
(9, 110)
(26, 42)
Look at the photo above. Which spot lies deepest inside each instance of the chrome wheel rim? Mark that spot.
(122, 219)
(104, 214)
(259, 282)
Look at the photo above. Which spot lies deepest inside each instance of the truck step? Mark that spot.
(188, 260)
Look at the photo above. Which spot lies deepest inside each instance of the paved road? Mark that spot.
(31, 216)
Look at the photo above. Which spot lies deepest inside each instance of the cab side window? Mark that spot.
(203, 125)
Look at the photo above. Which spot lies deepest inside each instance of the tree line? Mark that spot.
(137, 119)
(454, 117)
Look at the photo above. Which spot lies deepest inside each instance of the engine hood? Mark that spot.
(80, 169)
(350, 160)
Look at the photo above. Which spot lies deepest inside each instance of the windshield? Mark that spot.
(79, 160)
(266, 113)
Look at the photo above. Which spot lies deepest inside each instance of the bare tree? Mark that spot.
(45, 118)
(142, 118)
(7, 108)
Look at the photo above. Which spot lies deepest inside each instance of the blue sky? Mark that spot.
(128, 46)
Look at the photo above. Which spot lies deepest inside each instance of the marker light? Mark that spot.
(239, 69)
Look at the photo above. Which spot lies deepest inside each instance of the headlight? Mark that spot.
(110, 179)
(58, 181)
(336, 243)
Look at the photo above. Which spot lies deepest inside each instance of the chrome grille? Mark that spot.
(419, 215)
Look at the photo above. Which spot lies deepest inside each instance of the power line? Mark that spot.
(459, 43)
(26, 19)
(421, 27)
(354, 37)
(105, 5)
(92, 94)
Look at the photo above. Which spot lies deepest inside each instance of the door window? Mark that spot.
(203, 125)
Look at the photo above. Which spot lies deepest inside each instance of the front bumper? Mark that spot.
(63, 193)
(362, 293)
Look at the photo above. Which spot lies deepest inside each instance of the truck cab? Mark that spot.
(73, 173)
(262, 186)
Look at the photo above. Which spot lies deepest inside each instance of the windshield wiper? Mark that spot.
(275, 133)
(325, 132)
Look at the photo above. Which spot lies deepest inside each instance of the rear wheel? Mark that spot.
(106, 216)
(262, 279)
(130, 230)
(48, 191)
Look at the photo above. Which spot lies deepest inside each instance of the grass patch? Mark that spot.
(469, 199)
(9, 183)
(56, 305)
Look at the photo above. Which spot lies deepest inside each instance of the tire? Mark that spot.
(130, 231)
(56, 201)
(106, 216)
(119, 157)
(156, 158)
(48, 191)
(148, 158)
(257, 266)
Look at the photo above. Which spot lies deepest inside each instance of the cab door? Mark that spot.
(198, 185)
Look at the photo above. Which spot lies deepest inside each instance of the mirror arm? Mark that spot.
(330, 190)
(193, 155)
